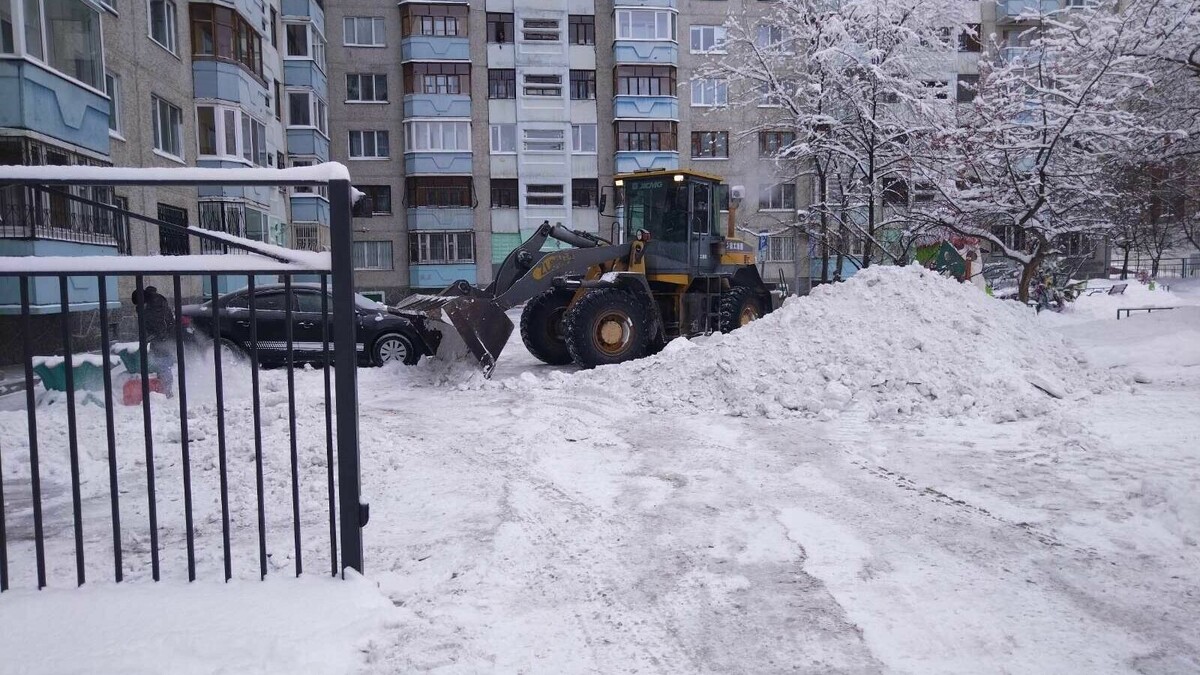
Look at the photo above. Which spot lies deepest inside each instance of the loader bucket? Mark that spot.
(483, 326)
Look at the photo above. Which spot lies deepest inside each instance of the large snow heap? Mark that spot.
(889, 341)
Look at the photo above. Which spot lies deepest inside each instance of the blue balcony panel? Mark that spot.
(628, 162)
(440, 276)
(437, 162)
(83, 293)
(641, 51)
(305, 73)
(310, 208)
(668, 4)
(40, 100)
(437, 105)
(646, 107)
(308, 142)
(1010, 9)
(308, 8)
(226, 81)
(428, 48)
(441, 219)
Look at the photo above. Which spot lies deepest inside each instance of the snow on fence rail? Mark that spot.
(190, 456)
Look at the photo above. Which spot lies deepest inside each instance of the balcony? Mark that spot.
(630, 161)
(1021, 56)
(430, 48)
(454, 163)
(305, 73)
(668, 4)
(41, 100)
(310, 207)
(440, 219)
(49, 217)
(646, 107)
(226, 81)
(307, 141)
(645, 51)
(309, 8)
(1012, 10)
(440, 276)
(437, 105)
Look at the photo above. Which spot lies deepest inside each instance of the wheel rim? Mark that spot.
(749, 313)
(554, 325)
(614, 331)
(392, 349)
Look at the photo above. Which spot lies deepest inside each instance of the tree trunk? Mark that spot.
(1027, 274)
(1125, 264)
(823, 186)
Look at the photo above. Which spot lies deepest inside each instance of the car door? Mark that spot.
(269, 319)
(308, 323)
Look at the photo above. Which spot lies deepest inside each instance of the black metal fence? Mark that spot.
(254, 470)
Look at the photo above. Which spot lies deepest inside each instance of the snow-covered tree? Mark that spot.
(1029, 167)
(859, 90)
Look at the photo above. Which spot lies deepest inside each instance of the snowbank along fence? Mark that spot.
(35, 527)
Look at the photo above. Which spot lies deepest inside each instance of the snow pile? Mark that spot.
(890, 341)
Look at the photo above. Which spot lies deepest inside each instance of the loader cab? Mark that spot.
(680, 211)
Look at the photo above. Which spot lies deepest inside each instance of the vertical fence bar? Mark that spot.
(72, 426)
(110, 432)
(3, 531)
(291, 386)
(333, 545)
(35, 480)
(346, 360)
(220, 391)
(147, 425)
(185, 449)
(258, 459)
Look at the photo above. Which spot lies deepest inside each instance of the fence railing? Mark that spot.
(48, 214)
(1174, 268)
(198, 442)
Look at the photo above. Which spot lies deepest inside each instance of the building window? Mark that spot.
(708, 39)
(502, 83)
(380, 196)
(168, 127)
(306, 109)
(112, 87)
(503, 138)
(278, 102)
(539, 30)
(938, 89)
(968, 86)
(585, 193)
(72, 38)
(162, 24)
(583, 85)
(372, 255)
(437, 78)
(439, 192)
(363, 31)
(543, 85)
(777, 197)
(433, 20)
(771, 143)
(303, 41)
(504, 193)
(970, 39)
(581, 29)
(369, 145)
(771, 96)
(437, 136)
(781, 248)
(710, 145)
(583, 139)
(366, 88)
(171, 241)
(499, 28)
(895, 192)
(221, 33)
(923, 192)
(645, 80)
(709, 92)
(641, 136)
(544, 194)
(769, 37)
(434, 248)
(645, 24)
(543, 140)
(231, 134)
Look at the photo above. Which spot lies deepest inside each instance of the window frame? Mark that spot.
(444, 75)
(112, 87)
(716, 139)
(421, 247)
(626, 75)
(176, 121)
(377, 22)
(380, 246)
(503, 81)
(718, 87)
(505, 193)
(546, 195)
(501, 30)
(582, 81)
(498, 134)
(171, 25)
(578, 136)
(362, 144)
(549, 85)
(317, 108)
(427, 128)
(786, 192)
(647, 132)
(718, 44)
(581, 29)
(375, 79)
(623, 20)
(780, 136)
(589, 187)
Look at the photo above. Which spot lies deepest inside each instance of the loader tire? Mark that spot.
(739, 307)
(606, 326)
(542, 326)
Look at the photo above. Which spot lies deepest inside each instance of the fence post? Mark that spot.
(341, 239)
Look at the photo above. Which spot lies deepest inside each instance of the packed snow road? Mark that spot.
(928, 519)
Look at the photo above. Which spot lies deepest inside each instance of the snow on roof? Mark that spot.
(159, 264)
(320, 173)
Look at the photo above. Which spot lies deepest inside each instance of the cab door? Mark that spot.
(702, 216)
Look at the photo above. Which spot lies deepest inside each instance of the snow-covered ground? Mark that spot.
(896, 474)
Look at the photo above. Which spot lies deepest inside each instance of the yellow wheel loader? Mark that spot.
(674, 273)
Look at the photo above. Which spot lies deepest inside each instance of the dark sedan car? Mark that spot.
(382, 337)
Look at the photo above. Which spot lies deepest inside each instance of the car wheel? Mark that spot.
(231, 353)
(394, 348)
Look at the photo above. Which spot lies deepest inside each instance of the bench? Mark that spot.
(1127, 310)
(1115, 289)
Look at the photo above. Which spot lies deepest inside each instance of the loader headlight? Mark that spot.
(678, 178)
